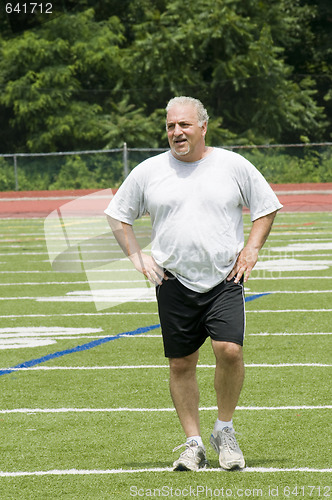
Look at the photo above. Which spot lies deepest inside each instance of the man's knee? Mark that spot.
(227, 352)
(181, 366)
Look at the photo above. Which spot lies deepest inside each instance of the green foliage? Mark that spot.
(129, 124)
(89, 172)
(104, 170)
(228, 55)
(282, 167)
(74, 174)
(312, 54)
(7, 177)
(99, 74)
(54, 81)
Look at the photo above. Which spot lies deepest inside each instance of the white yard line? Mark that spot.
(155, 410)
(261, 334)
(85, 282)
(286, 310)
(110, 282)
(286, 334)
(79, 314)
(85, 472)
(153, 313)
(89, 297)
(146, 367)
(276, 278)
(116, 250)
(252, 278)
(66, 337)
(118, 295)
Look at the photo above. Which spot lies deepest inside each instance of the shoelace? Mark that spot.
(187, 445)
(228, 440)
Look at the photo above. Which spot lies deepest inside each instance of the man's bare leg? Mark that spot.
(185, 392)
(229, 376)
(185, 395)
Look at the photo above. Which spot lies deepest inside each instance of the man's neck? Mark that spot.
(191, 158)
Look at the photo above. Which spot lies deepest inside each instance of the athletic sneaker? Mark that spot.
(225, 444)
(192, 458)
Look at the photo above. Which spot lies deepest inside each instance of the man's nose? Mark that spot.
(177, 129)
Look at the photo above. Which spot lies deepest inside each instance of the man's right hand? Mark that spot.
(146, 265)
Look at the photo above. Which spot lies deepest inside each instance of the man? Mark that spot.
(194, 195)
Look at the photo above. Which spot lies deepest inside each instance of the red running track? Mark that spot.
(21, 204)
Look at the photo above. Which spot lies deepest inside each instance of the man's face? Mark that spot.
(185, 136)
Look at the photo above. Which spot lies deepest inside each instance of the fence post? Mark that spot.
(15, 173)
(125, 160)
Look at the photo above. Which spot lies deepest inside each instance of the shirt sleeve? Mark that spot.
(257, 194)
(127, 204)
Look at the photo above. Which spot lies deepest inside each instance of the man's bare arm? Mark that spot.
(248, 257)
(144, 263)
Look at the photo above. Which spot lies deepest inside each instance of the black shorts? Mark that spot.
(187, 318)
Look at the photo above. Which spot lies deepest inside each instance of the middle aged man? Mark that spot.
(194, 195)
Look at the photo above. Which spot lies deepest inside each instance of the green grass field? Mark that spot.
(97, 421)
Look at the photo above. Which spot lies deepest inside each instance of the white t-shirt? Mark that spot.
(195, 210)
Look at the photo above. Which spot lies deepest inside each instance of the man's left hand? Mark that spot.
(244, 264)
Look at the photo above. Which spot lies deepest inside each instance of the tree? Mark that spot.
(312, 56)
(101, 72)
(128, 123)
(230, 55)
(56, 80)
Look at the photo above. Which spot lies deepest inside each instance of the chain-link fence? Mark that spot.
(101, 169)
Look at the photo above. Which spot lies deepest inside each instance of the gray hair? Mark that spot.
(202, 114)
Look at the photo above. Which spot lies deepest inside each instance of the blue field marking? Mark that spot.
(83, 347)
(254, 297)
(95, 343)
